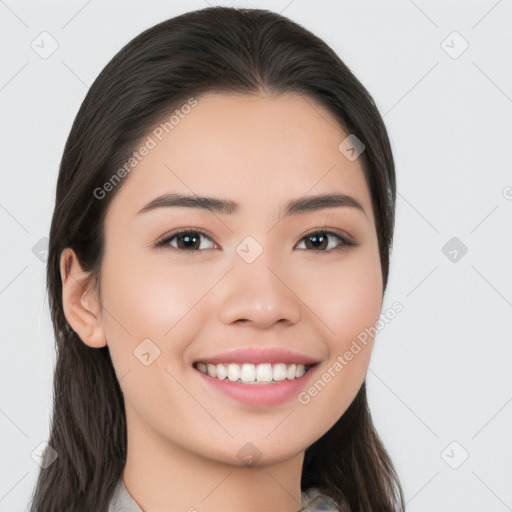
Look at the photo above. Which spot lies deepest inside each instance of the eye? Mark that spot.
(186, 240)
(320, 241)
(190, 240)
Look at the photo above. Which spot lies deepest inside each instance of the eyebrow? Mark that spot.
(228, 207)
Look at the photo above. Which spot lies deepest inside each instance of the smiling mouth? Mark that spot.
(248, 373)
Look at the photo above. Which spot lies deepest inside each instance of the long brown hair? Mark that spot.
(215, 49)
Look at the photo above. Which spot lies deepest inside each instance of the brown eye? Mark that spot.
(190, 240)
(186, 240)
(319, 241)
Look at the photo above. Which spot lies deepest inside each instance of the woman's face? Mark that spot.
(246, 276)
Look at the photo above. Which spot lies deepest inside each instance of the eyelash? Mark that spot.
(164, 242)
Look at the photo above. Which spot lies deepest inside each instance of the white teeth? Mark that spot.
(279, 372)
(264, 372)
(248, 373)
(211, 369)
(222, 372)
(233, 372)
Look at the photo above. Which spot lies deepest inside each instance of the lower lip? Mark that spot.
(260, 394)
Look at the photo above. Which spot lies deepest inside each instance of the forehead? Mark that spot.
(257, 150)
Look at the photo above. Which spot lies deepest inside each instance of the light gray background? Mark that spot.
(441, 370)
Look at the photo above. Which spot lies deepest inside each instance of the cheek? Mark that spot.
(149, 320)
(348, 305)
(146, 300)
(348, 296)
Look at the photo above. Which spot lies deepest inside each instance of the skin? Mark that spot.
(183, 436)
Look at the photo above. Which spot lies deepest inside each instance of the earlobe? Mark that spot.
(80, 302)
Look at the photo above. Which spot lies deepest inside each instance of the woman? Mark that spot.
(220, 242)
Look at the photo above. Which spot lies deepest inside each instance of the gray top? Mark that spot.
(122, 501)
(312, 500)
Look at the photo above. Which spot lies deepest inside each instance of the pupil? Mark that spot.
(318, 240)
(187, 239)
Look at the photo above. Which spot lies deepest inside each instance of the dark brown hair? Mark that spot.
(218, 49)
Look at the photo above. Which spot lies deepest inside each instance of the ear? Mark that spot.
(80, 300)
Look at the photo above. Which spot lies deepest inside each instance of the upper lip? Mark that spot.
(259, 355)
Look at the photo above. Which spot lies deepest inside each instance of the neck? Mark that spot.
(160, 475)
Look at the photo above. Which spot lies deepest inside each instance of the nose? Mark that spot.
(260, 296)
